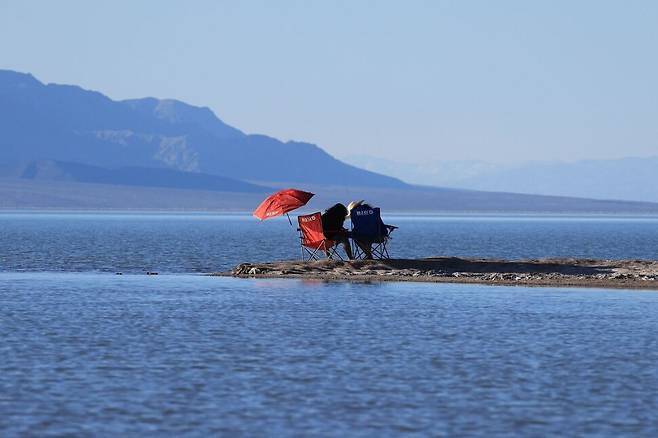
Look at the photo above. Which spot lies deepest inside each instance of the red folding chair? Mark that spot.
(313, 241)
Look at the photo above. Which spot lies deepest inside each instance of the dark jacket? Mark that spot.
(333, 219)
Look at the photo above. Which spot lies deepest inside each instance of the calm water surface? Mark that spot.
(207, 243)
(85, 352)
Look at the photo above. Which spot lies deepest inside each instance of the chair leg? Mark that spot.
(333, 251)
(357, 253)
(383, 250)
(380, 251)
(312, 254)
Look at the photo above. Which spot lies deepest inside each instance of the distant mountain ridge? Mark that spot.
(66, 123)
(63, 147)
(127, 176)
(631, 178)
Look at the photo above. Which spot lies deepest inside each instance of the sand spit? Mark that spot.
(626, 274)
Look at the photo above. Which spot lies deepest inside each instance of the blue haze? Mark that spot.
(498, 81)
(633, 179)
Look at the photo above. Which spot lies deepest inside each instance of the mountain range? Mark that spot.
(631, 178)
(65, 147)
(127, 176)
(69, 124)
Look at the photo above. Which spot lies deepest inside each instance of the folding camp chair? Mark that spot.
(314, 244)
(368, 229)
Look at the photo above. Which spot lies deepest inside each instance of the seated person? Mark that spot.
(366, 245)
(332, 227)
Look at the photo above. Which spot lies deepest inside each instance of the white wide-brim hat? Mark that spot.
(352, 205)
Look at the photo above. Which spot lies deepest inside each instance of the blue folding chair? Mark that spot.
(368, 229)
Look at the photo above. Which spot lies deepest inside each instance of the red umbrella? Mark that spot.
(281, 203)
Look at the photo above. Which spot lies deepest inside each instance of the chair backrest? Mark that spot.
(310, 226)
(366, 223)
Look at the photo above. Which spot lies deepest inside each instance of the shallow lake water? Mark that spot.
(86, 352)
(176, 243)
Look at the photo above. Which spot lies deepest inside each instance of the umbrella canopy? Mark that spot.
(281, 203)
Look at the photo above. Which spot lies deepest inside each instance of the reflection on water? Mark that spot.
(99, 354)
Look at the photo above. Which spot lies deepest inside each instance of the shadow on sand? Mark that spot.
(492, 266)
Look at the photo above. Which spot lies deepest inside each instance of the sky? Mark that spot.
(414, 81)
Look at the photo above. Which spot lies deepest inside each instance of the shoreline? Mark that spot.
(608, 274)
(393, 212)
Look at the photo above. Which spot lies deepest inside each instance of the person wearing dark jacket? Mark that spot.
(332, 226)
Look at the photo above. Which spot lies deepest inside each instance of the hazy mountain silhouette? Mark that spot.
(65, 147)
(631, 178)
(127, 176)
(67, 123)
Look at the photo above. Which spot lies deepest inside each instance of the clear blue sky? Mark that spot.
(408, 80)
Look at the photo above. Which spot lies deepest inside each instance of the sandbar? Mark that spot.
(624, 274)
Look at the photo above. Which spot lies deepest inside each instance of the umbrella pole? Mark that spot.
(289, 219)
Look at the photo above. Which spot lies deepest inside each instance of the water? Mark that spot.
(207, 243)
(85, 352)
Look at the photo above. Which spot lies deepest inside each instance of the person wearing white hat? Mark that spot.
(352, 205)
(366, 246)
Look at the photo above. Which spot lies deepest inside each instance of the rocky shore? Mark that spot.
(627, 274)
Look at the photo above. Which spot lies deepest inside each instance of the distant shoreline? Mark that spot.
(410, 213)
(609, 274)
(30, 195)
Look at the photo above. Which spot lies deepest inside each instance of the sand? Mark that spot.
(626, 274)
